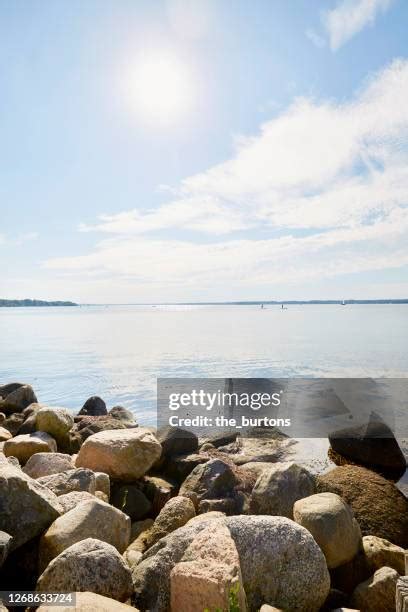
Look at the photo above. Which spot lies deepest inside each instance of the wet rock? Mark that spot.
(79, 479)
(22, 447)
(378, 506)
(277, 489)
(88, 565)
(125, 455)
(377, 593)
(90, 519)
(26, 507)
(45, 464)
(332, 524)
(94, 406)
(130, 499)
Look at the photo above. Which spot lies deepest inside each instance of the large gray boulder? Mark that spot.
(280, 563)
(279, 487)
(332, 524)
(27, 508)
(90, 519)
(214, 479)
(80, 479)
(45, 464)
(88, 565)
(125, 454)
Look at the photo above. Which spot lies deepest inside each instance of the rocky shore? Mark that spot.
(132, 518)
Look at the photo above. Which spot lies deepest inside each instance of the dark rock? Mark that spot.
(158, 490)
(5, 540)
(94, 406)
(181, 466)
(213, 480)
(176, 441)
(13, 423)
(228, 505)
(372, 445)
(336, 599)
(17, 399)
(20, 570)
(378, 506)
(221, 439)
(346, 577)
(131, 500)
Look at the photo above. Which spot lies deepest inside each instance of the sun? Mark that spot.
(161, 88)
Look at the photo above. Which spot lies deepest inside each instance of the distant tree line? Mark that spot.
(28, 302)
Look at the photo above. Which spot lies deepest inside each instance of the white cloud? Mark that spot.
(349, 17)
(321, 191)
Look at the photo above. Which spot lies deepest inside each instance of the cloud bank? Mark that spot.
(319, 192)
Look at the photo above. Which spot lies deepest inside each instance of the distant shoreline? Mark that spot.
(257, 303)
(28, 302)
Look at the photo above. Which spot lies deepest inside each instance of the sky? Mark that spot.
(203, 150)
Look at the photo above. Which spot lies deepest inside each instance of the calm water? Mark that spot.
(117, 352)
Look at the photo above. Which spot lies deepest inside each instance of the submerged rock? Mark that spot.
(125, 455)
(88, 565)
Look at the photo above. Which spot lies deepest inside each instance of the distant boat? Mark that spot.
(262, 306)
(283, 307)
(343, 303)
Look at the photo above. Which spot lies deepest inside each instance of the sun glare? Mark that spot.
(161, 87)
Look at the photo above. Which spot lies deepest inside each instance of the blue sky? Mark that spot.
(264, 155)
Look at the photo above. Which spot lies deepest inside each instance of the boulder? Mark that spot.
(377, 593)
(208, 575)
(158, 491)
(102, 496)
(22, 447)
(90, 519)
(125, 454)
(372, 445)
(176, 513)
(71, 500)
(5, 434)
(88, 565)
(26, 507)
(45, 464)
(102, 483)
(279, 487)
(5, 541)
(332, 524)
(94, 406)
(176, 441)
(280, 563)
(89, 602)
(378, 506)
(13, 423)
(379, 553)
(180, 466)
(30, 419)
(130, 499)
(16, 397)
(80, 479)
(209, 481)
(55, 421)
(122, 414)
